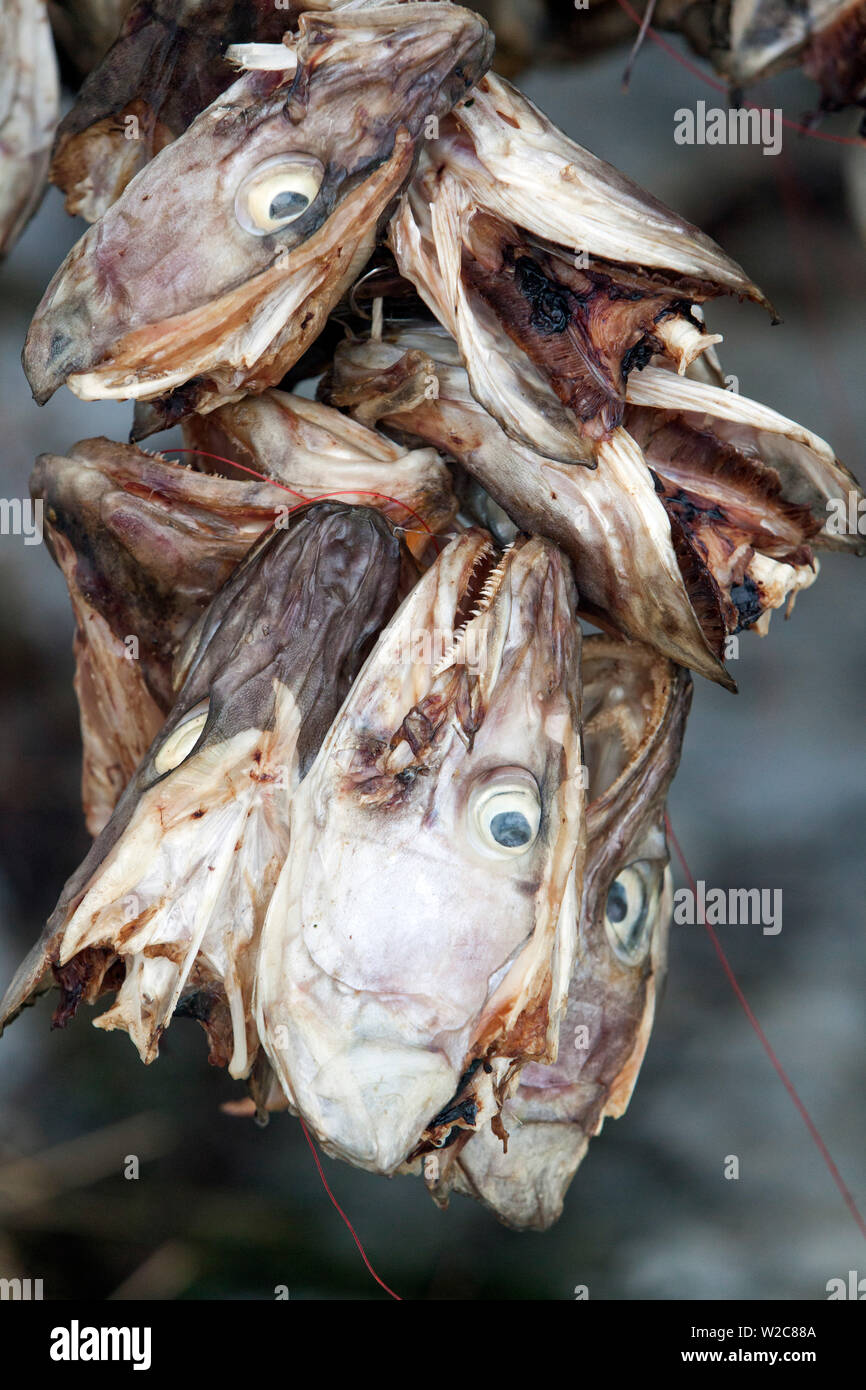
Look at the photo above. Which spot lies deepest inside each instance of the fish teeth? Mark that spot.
(488, 592)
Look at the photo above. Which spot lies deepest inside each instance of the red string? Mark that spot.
(720, 86)
(354, 1233)
(777, 1065)
(322, 497)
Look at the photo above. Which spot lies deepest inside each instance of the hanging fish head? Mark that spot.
(217, 266)
(635, 706)
(168, 905)
(416, 929)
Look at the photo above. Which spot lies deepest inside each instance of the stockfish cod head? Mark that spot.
(635, 709)
(418, 927)
(220, 262)
(167, 908)
(702, 517)
(145, 543)
(557, 276)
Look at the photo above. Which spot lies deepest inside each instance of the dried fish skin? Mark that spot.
(635, 710)
(144, 545)
(165, 67)
(314, 449)
(168, 905)
(701, 518)
(86, 29)
(370, 1013)
(509, 230)
(188, 292)
(29, 111)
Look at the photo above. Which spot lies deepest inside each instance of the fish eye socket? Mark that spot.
(505, 813)
(277, 193)
(628, 915)
(182, 740)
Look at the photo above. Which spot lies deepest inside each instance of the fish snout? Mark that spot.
(375, 1100)
(60, 343)
(441, 56)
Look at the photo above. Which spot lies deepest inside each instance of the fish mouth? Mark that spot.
(445, 645)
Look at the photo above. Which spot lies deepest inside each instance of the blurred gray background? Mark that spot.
(770, 794)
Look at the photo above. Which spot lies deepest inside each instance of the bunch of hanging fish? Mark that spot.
(366, 802)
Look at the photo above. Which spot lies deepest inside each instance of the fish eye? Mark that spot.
(628, 918)
(182, 740)
(505, 813)
(277, 193)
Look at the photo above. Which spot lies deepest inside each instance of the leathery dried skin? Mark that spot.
(458, 773)
(166, 65)
(218, 265)
(144, 544)
(167, 908)
(700, 519)
(29, 110)
(635, 709)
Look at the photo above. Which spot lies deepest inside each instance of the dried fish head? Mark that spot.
(557, 276)
(144, 544)
(168, 905)
(700, 519)
(218, 265)
(635, 708)
(418, 927)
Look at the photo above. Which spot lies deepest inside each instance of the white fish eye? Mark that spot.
(505, 813)
(182, 740)
(277, 193)
(628, 918)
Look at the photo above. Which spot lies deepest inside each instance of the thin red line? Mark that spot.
(306, 501)
(354, 1234)
(765, 1043)
(720, 86)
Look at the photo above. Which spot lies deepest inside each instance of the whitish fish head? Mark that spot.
(168, 905)
(635, 707)
(449, 783)
(217, 265)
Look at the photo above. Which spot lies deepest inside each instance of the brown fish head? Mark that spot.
(165, 65)
(168, 905)
(217, 266)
